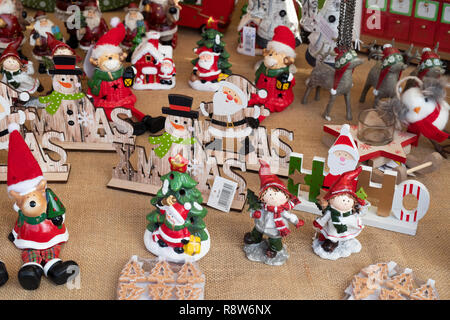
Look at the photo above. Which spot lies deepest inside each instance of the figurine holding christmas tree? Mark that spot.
(212, 62)
(176, 230)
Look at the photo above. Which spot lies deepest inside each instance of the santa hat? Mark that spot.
(39, 15)
(269, 180)
(179, 212)
(345, 143)
(24, 173)
(428, 60)
(111, 40)
(91, 5)
(132, 7)
(391, 56)
(343, 59)
(345, 184)
(283, 41)
(11, 51)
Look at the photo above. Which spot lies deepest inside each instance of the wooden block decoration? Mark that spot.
(83, 126)
(360, 288)
(386, 294)
(380, 195)
(403, 283)
(315, 179)
(155, 279)
(296, 177)
(424, 292)
(420, 192)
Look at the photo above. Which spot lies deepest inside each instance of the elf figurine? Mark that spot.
(40, 230)
(18, 73)
(38, 37)
(276, 73)
(110, 83)
(340, 223)
(271, 215)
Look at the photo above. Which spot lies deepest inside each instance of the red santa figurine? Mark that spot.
(167, 72)
(40, 230)
(110, 83)
(132, 20)
(276, 73)
(10, 27)
(95, 26)
(343, 156)
(38, 38)
(173, 232)
(205, 73)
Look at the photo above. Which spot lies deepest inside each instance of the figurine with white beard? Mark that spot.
(132, 20)
(95, 26)
(230, 116)
(343, 156)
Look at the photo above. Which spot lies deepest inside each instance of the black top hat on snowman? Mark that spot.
(65, 65)
(180, 105)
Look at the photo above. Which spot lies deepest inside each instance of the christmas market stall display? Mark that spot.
(40, 230)
(176, 230)
(271, 214)
(212, 64)
(159, 279)
(110, 81)
(389, 281)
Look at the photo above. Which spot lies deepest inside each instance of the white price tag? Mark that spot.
(222, 194)
(249, 40)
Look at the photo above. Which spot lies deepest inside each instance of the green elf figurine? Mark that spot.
(178, 125)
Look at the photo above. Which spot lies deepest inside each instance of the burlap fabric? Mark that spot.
(107, 226)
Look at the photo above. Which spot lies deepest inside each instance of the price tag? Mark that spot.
(249, 40)
(222, 194)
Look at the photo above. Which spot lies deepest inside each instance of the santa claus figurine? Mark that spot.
(276, 73)
(343, 156)
(110, 83)
(93, 28)
(38, 37)
(340, 223)
(18, 73)
(167, 72)
(231, 117)
(11, 26)
(162, 16)
(271, 220)
(133, 19)
(40, 230)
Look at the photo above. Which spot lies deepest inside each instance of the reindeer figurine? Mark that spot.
(429, 66)
(338, 80)
(40, 230)
(385, 74)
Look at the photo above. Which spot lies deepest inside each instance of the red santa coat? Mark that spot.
(171, 237)
(129, 36)
(92, 35)
(12, 30)
(39, 236)
(44, 49)
(209, 74)
(157, 20)
(168, 75)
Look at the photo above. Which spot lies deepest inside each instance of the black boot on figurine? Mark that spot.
(329, 245)
(42, 69)
(40, 88)
(60, 271)
(154, 125)
(178, 250)
(162, 244)
(30, 276)
(248, 239)
(73, 41)
(3, 274)
(139, 128)
(271, 253)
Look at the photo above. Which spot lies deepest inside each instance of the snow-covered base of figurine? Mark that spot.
(170, 255)
(343, 250)
(154, 86)
(257, 252)
(204, 86)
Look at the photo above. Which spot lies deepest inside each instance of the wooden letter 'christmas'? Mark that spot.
(70, 112)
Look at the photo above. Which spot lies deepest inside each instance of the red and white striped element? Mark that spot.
(423, 201)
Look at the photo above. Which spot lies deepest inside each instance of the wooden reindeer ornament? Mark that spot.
(40, 230)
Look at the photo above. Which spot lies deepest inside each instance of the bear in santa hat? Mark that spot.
(108, 84)
(17, 72)
(40, 230)
(340, 223)
(276, 72)
(343, 156)
(272, 218)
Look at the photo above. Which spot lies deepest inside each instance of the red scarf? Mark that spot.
(279, 224)
(426, 127)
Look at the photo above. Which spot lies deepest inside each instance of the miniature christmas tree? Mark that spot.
(141, 30)
(180, 184)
